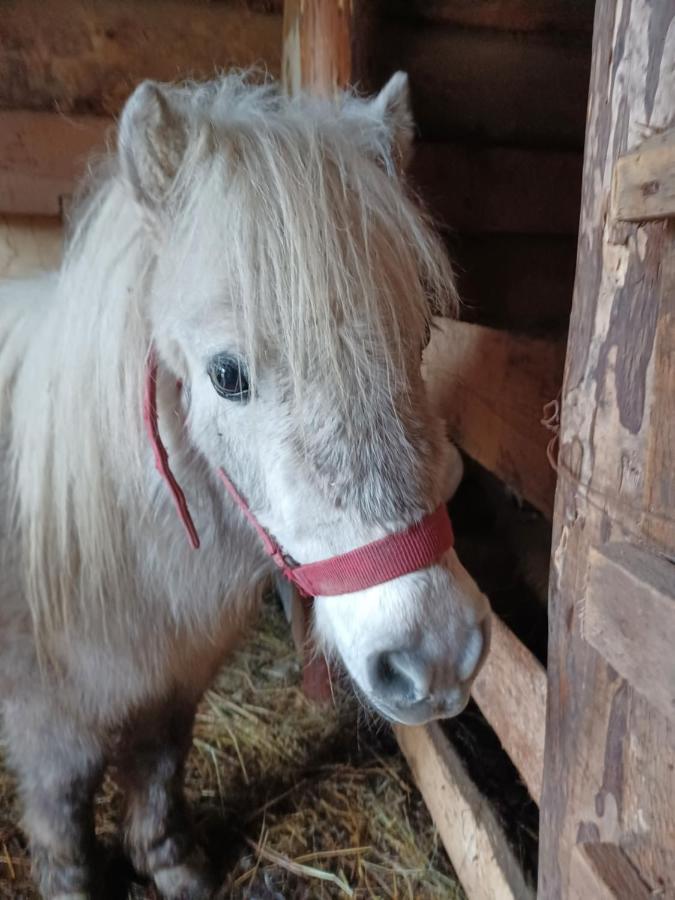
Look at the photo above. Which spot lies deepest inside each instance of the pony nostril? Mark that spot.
(475, 651)
(396, 675)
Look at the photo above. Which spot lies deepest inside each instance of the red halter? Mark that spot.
(417, 547)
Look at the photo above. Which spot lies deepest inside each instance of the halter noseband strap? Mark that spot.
(419, 546)
(398, 554)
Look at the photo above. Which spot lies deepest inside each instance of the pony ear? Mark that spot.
(392, 105)
(152, 140)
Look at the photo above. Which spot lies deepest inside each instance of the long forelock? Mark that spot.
(327, 258)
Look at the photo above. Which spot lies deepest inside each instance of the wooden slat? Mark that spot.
(42, 155)
(511, 692)
(629, 617)
(491, 387)
(77, 56)
(473, 838)
(499, 189)
(643, 186)
(603, 872)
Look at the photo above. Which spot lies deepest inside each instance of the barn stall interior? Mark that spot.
(561, 773)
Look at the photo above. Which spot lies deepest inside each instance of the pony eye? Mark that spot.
(229, 378)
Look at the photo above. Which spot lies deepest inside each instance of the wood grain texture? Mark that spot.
(491, 387)
(511, 693)
(643, 186)
(473, 838)
(78, 56)
(499, 189)
(603, 872)
(609, 772)
(628, 616)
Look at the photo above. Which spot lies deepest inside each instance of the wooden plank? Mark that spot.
(473, 838)
(491, 387)
(499, 189)
(511, 692)
(609, 769)
(643, 187)
(506, 15)
(80, 57)
(29, 245)
(629, 617)
(603, 872)
(490, 86)
(42, 156)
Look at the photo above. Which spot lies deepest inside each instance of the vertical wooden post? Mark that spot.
(609, 772)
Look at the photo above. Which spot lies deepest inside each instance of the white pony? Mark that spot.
(265, 252)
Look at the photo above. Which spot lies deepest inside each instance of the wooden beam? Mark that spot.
(505, 15)
(499, 189)
(511, 693)
(629, 617)
(491, 387)
(80, 57)
(643, 186)
(603, 872)
(470, 832)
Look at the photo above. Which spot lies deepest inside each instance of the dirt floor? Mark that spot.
(292, 801)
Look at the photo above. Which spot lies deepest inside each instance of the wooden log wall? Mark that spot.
(607, 827)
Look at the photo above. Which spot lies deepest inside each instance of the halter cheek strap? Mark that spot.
(398, 554)
(159, 450)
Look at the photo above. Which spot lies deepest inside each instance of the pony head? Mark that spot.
(290, 291)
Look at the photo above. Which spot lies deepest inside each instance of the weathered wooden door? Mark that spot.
(608, 805)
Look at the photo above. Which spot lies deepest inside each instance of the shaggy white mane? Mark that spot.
(322, 255)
